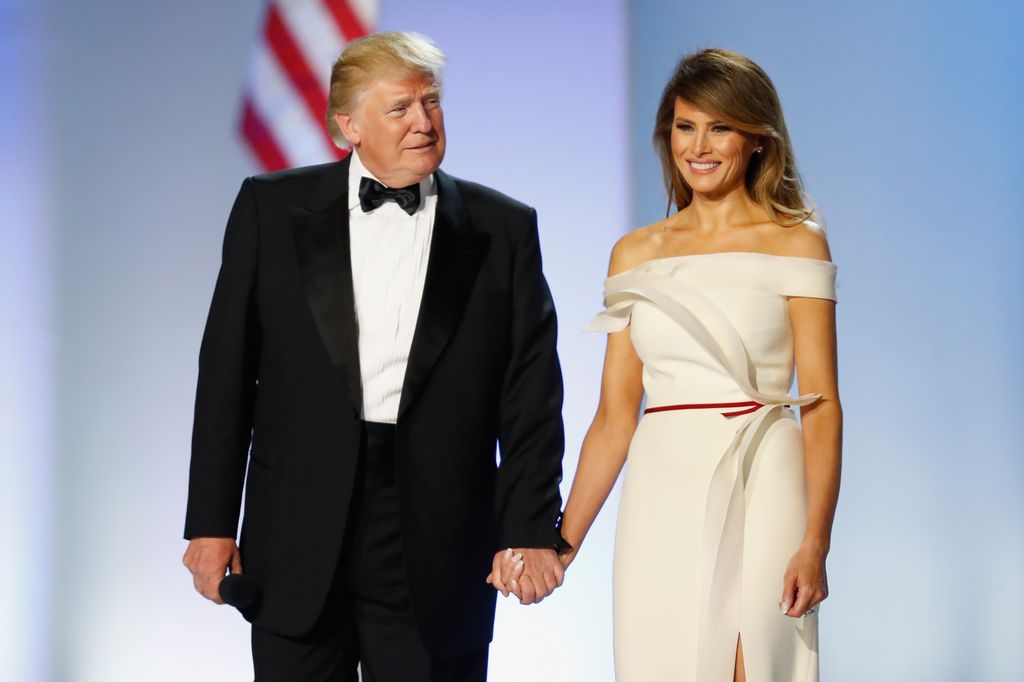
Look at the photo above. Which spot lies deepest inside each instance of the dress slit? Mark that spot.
(740, 664)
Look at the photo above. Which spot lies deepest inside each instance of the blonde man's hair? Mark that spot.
(396, 54)
(732, 87)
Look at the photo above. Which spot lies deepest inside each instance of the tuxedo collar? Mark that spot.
(357, 171)
(324, 253)
(457, 249)
(321, 233)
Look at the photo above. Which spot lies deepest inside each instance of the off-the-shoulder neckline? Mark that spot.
(771, 256)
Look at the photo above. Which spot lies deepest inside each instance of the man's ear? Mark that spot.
(349, 128)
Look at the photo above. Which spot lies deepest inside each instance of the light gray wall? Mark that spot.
(27, 318)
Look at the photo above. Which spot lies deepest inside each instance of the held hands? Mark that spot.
(531, 574)
(805, 584)
(208, 559)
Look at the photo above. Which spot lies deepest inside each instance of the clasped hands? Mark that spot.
(529, 573)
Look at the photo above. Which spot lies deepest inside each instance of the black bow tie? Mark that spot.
(372, 194)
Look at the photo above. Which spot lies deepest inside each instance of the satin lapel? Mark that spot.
(323, 248)
(456, 251)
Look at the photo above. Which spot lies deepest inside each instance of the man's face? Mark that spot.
(397, 126)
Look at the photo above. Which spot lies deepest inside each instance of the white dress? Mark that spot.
(713, 506)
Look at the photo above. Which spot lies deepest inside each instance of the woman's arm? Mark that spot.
(814, 336)
(813, 322)
(607, 441)
(814, 330)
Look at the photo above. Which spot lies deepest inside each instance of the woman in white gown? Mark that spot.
(727, 502)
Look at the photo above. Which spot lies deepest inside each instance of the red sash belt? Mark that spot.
(747, 407)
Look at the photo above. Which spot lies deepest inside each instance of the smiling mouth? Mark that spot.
(704, 166)
(426, 145)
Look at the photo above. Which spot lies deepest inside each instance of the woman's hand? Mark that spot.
(805, 585)
(506, 568)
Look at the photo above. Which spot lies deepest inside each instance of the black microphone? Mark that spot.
(240, 591)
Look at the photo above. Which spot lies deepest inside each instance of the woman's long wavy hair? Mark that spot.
(730, 86)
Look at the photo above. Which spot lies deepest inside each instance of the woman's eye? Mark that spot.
(684, 127)
(720, 129)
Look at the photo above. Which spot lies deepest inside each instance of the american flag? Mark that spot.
(285, 99)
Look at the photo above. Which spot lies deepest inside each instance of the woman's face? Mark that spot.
(712, 156)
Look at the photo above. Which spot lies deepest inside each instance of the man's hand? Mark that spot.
(531, 574)
(208, 559)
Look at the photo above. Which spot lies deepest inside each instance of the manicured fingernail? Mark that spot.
(784, 606)
(517, 557)
(508, 553)
(515, 585)
(519, 564)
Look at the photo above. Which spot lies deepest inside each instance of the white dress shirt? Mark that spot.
(390, 249)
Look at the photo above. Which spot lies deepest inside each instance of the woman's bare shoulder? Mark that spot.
(634, 248)
(804, 240)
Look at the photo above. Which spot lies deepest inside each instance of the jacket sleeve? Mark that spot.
(531, 436)
(226, 390)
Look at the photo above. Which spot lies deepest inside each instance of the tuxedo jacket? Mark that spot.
(279, 396)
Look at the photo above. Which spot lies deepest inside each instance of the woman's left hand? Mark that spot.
(805, 585)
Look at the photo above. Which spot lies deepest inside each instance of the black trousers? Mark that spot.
(368, 620)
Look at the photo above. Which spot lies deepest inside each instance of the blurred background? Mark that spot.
(120, 154)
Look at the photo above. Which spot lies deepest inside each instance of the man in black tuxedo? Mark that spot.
(376, 328)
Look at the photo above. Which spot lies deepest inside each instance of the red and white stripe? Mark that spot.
(285, 98)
